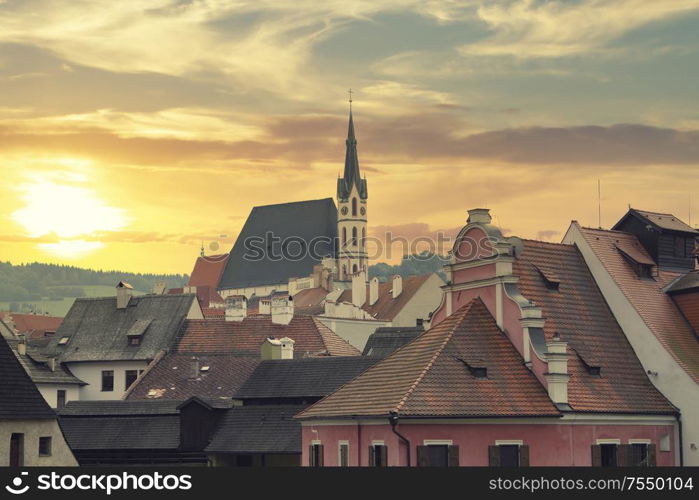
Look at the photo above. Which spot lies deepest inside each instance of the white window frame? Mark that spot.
(340, 444)
(378, 443)
(509, 442)
(609, 441)
(640, 441)
(438, 442)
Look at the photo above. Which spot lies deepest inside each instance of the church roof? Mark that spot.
(255, 261)
(351, 175)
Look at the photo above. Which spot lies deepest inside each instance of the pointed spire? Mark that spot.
(351, 174)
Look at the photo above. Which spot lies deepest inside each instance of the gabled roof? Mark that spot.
(302, 378)
(686, 282)
(648, 297)
(97, 330)
(311, 336)
(386, 308)
(118, 407)
(19, 397)
(173, 377)
(208, 270)
(659, 220)
(252, 263)
(387, 339)
(33, 325)
(258, 429)
(578, 312)
(126, 432)
(430, 376)
(36, 367)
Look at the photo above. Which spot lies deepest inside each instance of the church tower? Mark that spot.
(352, 213)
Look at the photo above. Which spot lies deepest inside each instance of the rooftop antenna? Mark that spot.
(202, 248)
(690, 209)
(599, 203)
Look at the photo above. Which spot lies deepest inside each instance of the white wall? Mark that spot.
(49, 391)
(677, 386)
(259, 291)
(354, 331)
(425, 300)
(91, 372)
(33, 430)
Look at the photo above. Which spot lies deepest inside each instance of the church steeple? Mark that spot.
(351, 176)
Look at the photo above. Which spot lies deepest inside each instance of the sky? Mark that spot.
(132, 132)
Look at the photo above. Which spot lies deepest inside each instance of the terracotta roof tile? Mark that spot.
(208, 270)
(386, 307)
(33, 325)
(429, 376)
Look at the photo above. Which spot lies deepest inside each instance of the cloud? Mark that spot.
(547, 234)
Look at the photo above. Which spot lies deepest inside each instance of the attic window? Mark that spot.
(63, 341)
(643, 266)
(205, 368)
(551, 280)
(476, 371)
(135, 340)
(591, 367)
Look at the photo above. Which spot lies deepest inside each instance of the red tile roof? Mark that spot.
(386, 307)
(208, 270)
(310, 301)
(311, 337)
(578, 312)
(429, 376)
(213, 312)
(689, 305)
(33, 325)
(653, 305)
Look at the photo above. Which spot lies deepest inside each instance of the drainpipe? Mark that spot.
(679, 431)
(393, 420)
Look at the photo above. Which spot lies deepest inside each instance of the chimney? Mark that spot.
(277, 348)
(51, 363)
(265, 306)
(397, 286)
(373, 290)
(195, 368)
(479, 216)
(557, 375)
(22, 345)
(123, 295)
(359, 288)
(282, 309)
(189, 289)
(236, 307)
(159, 288)
(420, 323)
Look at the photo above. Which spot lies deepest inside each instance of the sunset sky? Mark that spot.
(130, 134)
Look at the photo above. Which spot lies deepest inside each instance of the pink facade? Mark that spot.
(555, 444)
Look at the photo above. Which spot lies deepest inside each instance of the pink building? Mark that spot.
(524, 365)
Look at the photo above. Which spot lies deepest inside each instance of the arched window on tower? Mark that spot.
(344, 270)
(354, 206)
(344, 236)
(354, 268)
(363, 236)
(354, 236)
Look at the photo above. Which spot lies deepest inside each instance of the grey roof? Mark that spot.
(140, 432)
(662, 221)
(258, 429)
(98, 331)
(688, 281)
(387, 339)
(19, 397)
(351, 174)
(302, 377)
(36, 367)
(119, 408)
(303, 221)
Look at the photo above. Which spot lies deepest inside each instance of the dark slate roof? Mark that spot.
(432, 376)
(304, 221)
(686, 282)
(387, 339)
(351, 176)
(661, 221)
(118, 408)
(19, 397)
(141, 432)
(302, 377)
(35, 366)
(97, 330)
(258, 429)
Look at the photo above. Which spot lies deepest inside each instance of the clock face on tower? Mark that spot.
(362, 211)
(344, 210)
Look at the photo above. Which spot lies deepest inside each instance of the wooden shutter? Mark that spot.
(596, 455)
(624, 455)
(652, 455)
(383, 455)
(422, 456)
(311, 456)
(320, 455)
(454, 456)
(524, 455)
(372, 456)
(494, 456)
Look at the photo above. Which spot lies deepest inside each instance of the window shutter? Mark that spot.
(524, 455)
(311, 457)
(494, 456)
(596, 455)
(320, 455)
(422, 455)
(624, 454)
(652, 455)
(372, 456)
(454, 456)
(383, 455)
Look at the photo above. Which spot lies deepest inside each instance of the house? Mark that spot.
(645, 269)
(29, 430)
(204, 281)
(107, 342)
(31, 325)
(524, 364)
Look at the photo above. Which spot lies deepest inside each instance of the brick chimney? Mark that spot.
(236, 307)
(22, 345)
(159, 288)
(397, 286)
(373, 290)
(265, 306)
(272, 348)
(557, 375)
(359, 288)
(124, 291)
(479, 216)
(282, 309)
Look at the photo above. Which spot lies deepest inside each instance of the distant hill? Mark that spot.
(423, 263)
(52, 288)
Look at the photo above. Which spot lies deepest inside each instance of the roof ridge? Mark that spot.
(292, 203)
(321, 327)
(438, 352)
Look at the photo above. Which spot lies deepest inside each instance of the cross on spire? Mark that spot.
(350, 92)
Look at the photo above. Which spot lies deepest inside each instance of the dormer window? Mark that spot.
(643, 266)
(135, 340)
(137, 330)
(551, 280)
(476, 371)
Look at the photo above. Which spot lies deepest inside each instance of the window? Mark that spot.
(354, 268)
(16, 450)
(438, 455)
(315, 456)
(378, 455)
(135, 340)
(354, 236)
(343, 454)
(107, 380)
(45, 446)
(639, 454)
(508, 454)
(130, 378)
(60, 398)
(344, 236)
(605, 454)
(354, 206)
(363, 237)
(63, 340)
